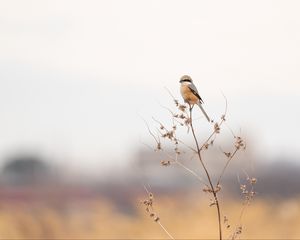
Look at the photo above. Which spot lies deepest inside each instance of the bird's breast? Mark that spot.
(188, 95)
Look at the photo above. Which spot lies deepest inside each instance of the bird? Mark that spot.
(190, 93)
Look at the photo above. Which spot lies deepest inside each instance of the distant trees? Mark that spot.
(22, 169)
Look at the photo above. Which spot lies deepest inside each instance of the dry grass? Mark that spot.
(100, 219)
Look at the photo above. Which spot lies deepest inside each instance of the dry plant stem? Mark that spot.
(192, 172)
(211, 135)
(226, 165)
(175, 160)
(157, 219)
(194, 150)
(207, 174)
(220, 124)
(246, 203)
(150, 132)
(165, 230)
(189, 170)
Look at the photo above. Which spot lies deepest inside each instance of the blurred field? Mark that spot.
(184, 217)
(37, 202)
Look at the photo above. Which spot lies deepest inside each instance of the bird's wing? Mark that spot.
(194, 90)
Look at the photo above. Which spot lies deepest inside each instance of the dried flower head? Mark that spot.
(182, 116)
(252, 180)
(165, 163)
(187, 121)
(239, 143)
(227, 154)
(205, 146)
(158, 147)
(206, 189)
(176, 149)
(243, 187)
(150, 195)
(239, 230)
(181, 107)
(218, 188)
(176, 102)
(217, 128)
(212, 202)
(226, 222)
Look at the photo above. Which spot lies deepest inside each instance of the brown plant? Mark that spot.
(184, 118)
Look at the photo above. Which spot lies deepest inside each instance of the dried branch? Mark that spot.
(217, 126)
(230, 157)
(148, 203)
(207, 174)
(176, 161)
(183, 117)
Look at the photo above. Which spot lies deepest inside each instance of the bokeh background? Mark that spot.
(78, 81)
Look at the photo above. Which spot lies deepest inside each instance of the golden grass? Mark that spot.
(183, 217)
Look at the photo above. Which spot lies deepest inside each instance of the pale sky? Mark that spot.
(71, 71)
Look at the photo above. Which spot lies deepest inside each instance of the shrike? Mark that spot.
(190, 93)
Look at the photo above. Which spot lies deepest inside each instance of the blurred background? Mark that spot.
(78, 81)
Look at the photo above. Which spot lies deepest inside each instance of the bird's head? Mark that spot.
(186, 78)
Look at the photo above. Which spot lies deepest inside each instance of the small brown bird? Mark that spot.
(190, 93)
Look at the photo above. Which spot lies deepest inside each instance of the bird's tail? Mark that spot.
(202, 109)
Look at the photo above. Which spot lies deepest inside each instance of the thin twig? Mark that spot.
(226, 165)
(157, 220)
(170, 93)
(145, 144)
(165, 230)
(191, 148)
(150, 132)
(158, 121)
(175, 160)
(176, 136)
(192, 172)
(219, 124)
(230, 129)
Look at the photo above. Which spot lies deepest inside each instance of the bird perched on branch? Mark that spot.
(190, 93)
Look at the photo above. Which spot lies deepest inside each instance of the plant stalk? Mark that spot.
(208, 176)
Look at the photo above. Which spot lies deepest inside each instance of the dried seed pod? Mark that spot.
(218, 188)
(227, 154)
(182, 107)
(165, 163)
(253, 180)
(158, 147)
(217, 128)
